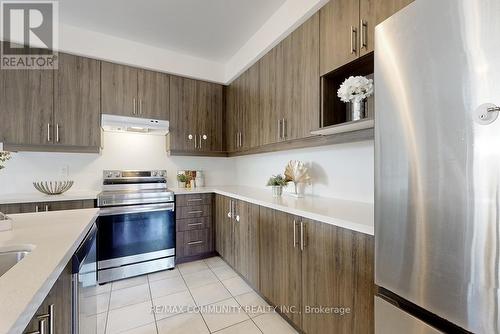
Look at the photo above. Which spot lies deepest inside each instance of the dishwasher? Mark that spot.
(84, 284)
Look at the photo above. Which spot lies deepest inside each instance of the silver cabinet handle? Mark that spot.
(57, 133)
(195, 199)
(199, 144)
(354, 33)
(237, 218)
(140, 107)
(294, 233)
(46, 207)
(195, 242)
(37, 209)
(195, 224)
(279, 129)
(41, 328)
(48, 133)
(42, 319)
(193, 212)
(302, 243)
(364, 34)
(285, 132)
(195, 142)
(134, 101)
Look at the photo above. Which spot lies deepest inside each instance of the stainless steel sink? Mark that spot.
(9, 259)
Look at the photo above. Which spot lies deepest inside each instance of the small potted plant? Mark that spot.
(355, 90)
(277, 182)
(182, 179)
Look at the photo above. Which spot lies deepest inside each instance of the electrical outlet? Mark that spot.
(65, 171)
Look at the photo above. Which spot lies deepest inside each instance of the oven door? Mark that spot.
(134, 234)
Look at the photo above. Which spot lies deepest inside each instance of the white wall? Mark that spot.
(121, 151)
(343, 171)
(339, 171)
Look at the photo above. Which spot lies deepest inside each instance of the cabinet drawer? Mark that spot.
(193, 199)
(194, 242)
(194, 211)
(189, 224)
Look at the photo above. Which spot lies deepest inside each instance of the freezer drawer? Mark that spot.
(391, 320)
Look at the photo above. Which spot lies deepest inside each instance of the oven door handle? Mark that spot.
(121, 210)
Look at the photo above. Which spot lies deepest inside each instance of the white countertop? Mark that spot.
(356, 216)
(53, 237)
(39, 197)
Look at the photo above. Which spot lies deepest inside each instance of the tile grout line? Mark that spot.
(189, 290)
(107, 309)
(152, 304)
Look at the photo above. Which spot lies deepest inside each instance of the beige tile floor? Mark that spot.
(205, 296)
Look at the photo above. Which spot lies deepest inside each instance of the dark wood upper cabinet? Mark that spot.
(347, 32)
(242, 111)
(196, 111)
(26, 107)
(77, 102)
(280, 262)
(337, 271)
(153, 95)
(269, 105)
(386, 8)
(119, 89)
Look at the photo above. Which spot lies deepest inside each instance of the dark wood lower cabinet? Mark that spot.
(60, 297)
(280, 263)
(223, 229)
(337, 280)
(46, 206)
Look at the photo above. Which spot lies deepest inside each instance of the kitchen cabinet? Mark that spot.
(77, 115)
(134, 92)
(55, 308)
(346, 32)
(46, 206)
(26, 106)
(280, 262)
(246, 241)
(337, 271)
(242, 111)
(224, 231)
(196, 110)
(194, 230)
(58, 110)
(289, 86)
(386, 8)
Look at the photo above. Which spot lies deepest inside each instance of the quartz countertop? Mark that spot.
(356, 216)
(39, 197)
(52, 237)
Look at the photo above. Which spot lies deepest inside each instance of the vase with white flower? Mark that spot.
(355, 91)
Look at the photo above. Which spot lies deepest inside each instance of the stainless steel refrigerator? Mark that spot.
(437, 146)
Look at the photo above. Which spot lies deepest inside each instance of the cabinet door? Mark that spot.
(367, 23)
(268, 102)
(339, 32)
(337, 271)
(153, 95)
(60, 297)
(246, 241)
(249, 108)
(304, 115)
(77, 104)
(208, 117)
(232, 115)
(26, 107)
(182, 113)
(386, 8)
(280, 262)
(224, 228)
(119, 89)
(69, 205)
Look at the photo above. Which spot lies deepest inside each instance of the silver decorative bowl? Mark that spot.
(53, 187)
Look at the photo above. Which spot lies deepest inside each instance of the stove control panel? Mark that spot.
(123, 174)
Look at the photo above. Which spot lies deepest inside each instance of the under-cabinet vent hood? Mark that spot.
(149, 126)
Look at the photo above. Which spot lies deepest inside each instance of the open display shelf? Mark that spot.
(334, 112)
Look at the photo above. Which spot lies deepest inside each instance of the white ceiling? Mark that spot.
(210, 29)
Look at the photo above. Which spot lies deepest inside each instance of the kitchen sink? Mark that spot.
(9, 259)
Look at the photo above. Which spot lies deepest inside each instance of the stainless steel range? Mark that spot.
(136, 225)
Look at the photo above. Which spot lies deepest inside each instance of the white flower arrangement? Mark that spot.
(355, 89)
(4, 156)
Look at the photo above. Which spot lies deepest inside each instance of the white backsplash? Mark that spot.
(339, 171)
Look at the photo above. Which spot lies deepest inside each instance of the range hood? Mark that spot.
(149, 126)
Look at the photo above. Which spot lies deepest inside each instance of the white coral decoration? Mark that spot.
(355, 89)
(296, 172)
